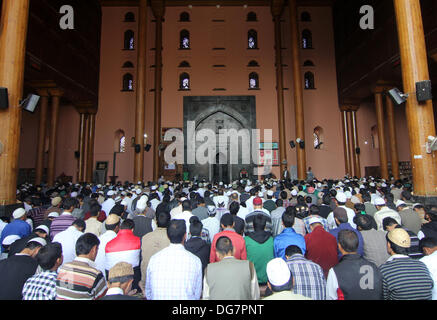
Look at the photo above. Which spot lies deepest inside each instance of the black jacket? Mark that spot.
(14, 271)
(199, 248)
(430, 229)
(260, 236)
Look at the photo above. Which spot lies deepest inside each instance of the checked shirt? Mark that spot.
(41, 286)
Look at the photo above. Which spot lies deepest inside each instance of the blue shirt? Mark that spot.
(17, 227)
(288, 237)
(347, 226)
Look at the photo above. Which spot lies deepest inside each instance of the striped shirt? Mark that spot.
(61, 223)
(41, 286)
(308, 277)
(80, 280)
(405, 279)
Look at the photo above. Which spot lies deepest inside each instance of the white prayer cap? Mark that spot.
(379, 202)
(314, 219)
(41, 241)
(341, 197)
(142, 203)
(7, 241)
(247, 189)
(42, 227)
(138, 191)
(348, 194)
(53, 214)
(293, 192)
(111, 193)
(400, 203)
(278, 272)
(73, 194)
(270, 193)
(18, 213)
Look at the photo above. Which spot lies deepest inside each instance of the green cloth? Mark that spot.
(260, 255)
(269, 205)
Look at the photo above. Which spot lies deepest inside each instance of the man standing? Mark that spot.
(340, 201)
(403, 277)
(409, 218)
(384, 212)
(257, 210)
(120, 279)
(196, 245)
(66, 219)
(167, 281)
(429, 229)
(19, 227)
(42, 286)
(276, 216)
(227, 224)
(80, 280)
(112, 224)
(354, 278)
(288, 236)
(308, 278)
(230, 278)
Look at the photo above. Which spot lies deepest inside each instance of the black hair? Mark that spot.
(387, 222)
(196, 227)
(95, 209)
(428, 242)
(163, 219)
(128, 224)
(348, 240)
(288, 217)
(283, 195)
(85, 243)
(48, 255)
(176, 231)
(79, 223)
(186, 205)
(279, 203)
(234, 208)
(363, 221)
(259, 222)
(224, 245)
(70, 202)
(227, 220)
(397, 249)
(291, 250)
(314, 210)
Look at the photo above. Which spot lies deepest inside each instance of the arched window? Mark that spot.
(184, 40)
(129, 43)
(129, 17)
(318, 138)
(251, 16)
(184, 64)
(119, 141)
(128, 64)
(253, 81)
(184, 17)
(309, 81)
(253, 63)
(252, 39)
(307, 39)
(128, 82)
(308, 63)
(305, 16)
(184, 81)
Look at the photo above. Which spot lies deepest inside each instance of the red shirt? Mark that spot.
(101, 217)
(321, 248)
(237, 241)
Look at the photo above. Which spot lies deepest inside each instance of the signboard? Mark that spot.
(269, 154)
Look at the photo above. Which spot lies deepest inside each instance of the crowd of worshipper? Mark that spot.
(348, 239)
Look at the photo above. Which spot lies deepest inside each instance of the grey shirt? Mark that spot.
(375, 246)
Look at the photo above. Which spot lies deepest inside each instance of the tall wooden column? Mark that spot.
(56, 97)
(13, 33)
(379, 108)
(392, 137)
(158, 9)
(354, 141)
(346, 140)
(277, 9)
(141, 92)
(298, 91)
(43, 107)
(82, 146)
(420, 117)
(90, 146)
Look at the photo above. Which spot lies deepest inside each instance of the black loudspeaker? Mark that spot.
(358, 150)
(292, 144)
(4, 99)
(397, 96)
(147, 147)
(77, 154)
(137, 148)
(423, 91)
(30, 103)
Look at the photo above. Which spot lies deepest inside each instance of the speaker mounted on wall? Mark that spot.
(424, 91)
(147, 147)
(4, 98)
(30, 103)
(137, 148)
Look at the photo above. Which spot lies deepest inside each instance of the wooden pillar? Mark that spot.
(346, 141)
(420, 116)
(51, 168)
(82, 145)
(392, 137)
(298, 91)
(141, 92)
(355, 142)
(42, 130)
(379, 108)
(13, 33)
(277, 9)
(158, 9)
(90, 145)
